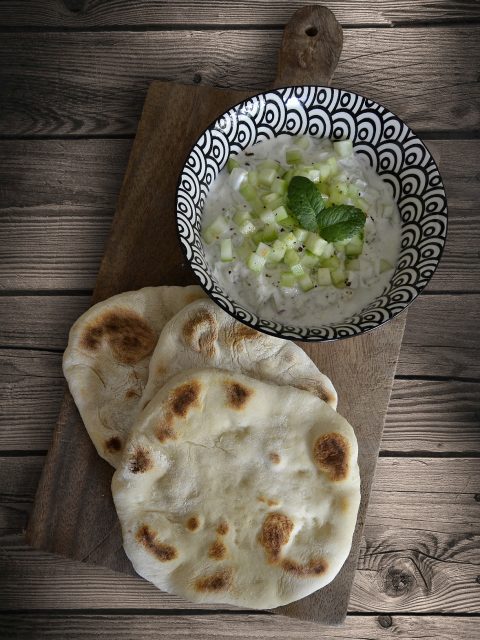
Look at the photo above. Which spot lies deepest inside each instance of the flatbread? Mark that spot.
(237, 491)
(203, 336)
(107, 357)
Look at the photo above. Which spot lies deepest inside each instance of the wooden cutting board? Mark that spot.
(73, 513)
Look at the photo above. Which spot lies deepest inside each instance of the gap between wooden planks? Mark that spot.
(414, 72)
(422, 554)
(148, 13)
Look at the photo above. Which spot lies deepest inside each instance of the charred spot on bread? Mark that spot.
(237, 394)
(218, 581)
(193, 523)
(164, 430)
(113, 444)
(163, 552)
(128, 335)
(275, 533)
(274, 457)
(222, 528)
(217, 551)
(330, 454)
(140, 461)
(200, 332)
(184, 397)
(314, 567)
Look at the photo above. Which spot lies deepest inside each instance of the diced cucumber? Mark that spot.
(297, 270)
(270, 232)
(300, 234)
(266, 177)
(263, 250)
(288, 280)
(279, 186)
(232, 164)
(257, 237)
(250, 194)
(273, 200)
(280, 213)
(340, 245)
(242, 216)
(308, 172)
(343, 148)
(302, 142)
(289, 222)
(247, 228)
(339, 278)
(237, 177)
(315, 244)
(293, 156)
(309, 260)
(332, 162)
(269, 164)
(306, 283)
(267, 216)
(215, 230)
(291, 257)
(253, 178)
(278, 251)
(328, 251)
(324, 277)
(226, 250)
(355, 247)
(325, 171)
(338, 193)
(288, 238)
(332, 263)
(288, 175)
(255, 262)
(385, 265)
(352, 265)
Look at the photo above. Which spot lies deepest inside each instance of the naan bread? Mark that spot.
(203, 336)
(237, 491)
(106, 360)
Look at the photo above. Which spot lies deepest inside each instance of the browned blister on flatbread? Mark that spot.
(254, 486)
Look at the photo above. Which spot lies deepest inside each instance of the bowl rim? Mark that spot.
(315, 339)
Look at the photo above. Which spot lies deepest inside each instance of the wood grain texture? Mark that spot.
(144, 215)
(97, 81)
(146, 13)
(59, 199)
(435, 342)
(220, 627)
(420, 550)
(446, 419)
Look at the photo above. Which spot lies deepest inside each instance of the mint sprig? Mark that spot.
(340, 222)
(333, 223)
(305, 202)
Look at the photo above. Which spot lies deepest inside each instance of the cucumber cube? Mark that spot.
(288, 280)
(355, 247)
(241, 216)
(266, 177)
(280, 213)
(255, 262)
(291, 257)
(232, 164)
(353, 265)
(302, 142)
(297, 270)
(279, 186)
(306, 283)
(270, 232)
(331, 263)
(289, 238)
(263, 250)
(324, 277)
(300, 234)
(343, 148)
(289, 222)
(237, 177)
(293, 156)
(315, 244)
(267, 216)
(339, 278)
(309, 260)
(272, 200)
(247, 228)
(278, 251)
(215, 230)
(269, 164)
(226, 250)
(253, 178)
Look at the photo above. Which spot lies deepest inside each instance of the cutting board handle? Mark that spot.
(311, 47)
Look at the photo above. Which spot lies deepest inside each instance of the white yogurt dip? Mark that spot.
(359, 277)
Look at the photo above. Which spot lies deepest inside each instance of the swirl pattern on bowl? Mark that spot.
(390, 146)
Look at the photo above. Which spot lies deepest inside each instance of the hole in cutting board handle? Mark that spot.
(311, 31)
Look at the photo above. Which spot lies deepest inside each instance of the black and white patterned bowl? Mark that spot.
(391, 147)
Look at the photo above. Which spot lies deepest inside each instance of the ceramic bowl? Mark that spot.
(391, 147)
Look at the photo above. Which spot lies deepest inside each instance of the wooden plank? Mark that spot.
(420, 552)
(41, 95)
(446, 420)
(148, 13)
(48, 242)
(435, 342)
(219, 627)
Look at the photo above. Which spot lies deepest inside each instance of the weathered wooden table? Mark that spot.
(73, 78)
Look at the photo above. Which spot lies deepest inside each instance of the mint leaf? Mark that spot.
(305, 202)
(340, 222)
